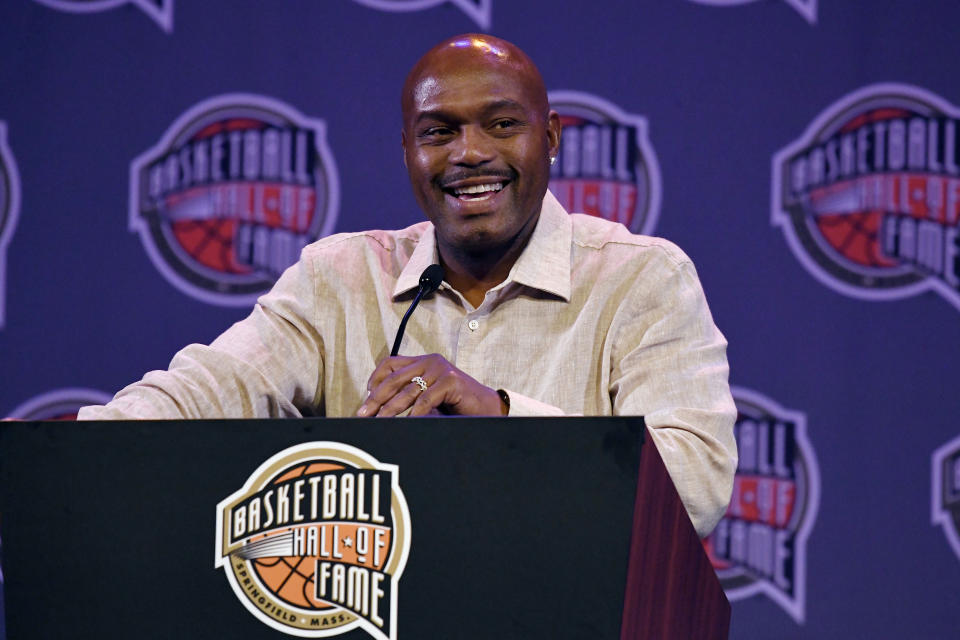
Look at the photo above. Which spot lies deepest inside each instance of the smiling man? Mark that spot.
(540, 312)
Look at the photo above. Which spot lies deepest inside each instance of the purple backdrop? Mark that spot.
(161, 160)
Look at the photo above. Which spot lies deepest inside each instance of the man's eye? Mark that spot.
(434, 132)
(504, 124)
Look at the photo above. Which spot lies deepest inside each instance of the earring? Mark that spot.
(553, 160)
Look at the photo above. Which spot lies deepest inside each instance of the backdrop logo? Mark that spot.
(869, 197)
(945, 505)
(236, 187)
(760, 544)
(161, 11)
(59, 404)
(315, 541)
(478, 10)
(806, 8)
(9, 210)
(606, 166)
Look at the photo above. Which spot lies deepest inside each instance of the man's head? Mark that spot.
(478, 135)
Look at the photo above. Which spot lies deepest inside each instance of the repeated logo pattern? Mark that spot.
(9, 210)
(59, 404)
(945, 493)
(759, 546)
(606, 166)
(868, 197)
(478, 10)
(160, 11)
(236, 187)
(806, 8)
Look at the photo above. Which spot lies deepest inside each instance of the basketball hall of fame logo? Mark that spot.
(945, 503)
(806, 8)
(9, 210)
(478, 10)
(59, 404)
(869, 197)
(160, 11)
(606, 166)
(760, 544)
(316, 540)
(236, 187)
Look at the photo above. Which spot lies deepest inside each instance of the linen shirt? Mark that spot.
(592, 320)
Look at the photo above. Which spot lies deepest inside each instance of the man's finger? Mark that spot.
(390, 383)
(401, 401)
(428, 402)
(385, 368)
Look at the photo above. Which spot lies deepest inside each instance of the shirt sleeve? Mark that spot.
(670, 366)
(268, 365)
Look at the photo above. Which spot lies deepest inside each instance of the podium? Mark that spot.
(518, 528)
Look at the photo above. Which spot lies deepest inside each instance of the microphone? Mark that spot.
(430, 281)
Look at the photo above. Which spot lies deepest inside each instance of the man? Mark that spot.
(540, 312)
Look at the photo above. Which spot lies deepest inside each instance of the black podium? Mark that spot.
(518, 528)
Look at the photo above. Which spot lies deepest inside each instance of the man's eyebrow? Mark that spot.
(442, 115)
(438, 115)
(505, 103)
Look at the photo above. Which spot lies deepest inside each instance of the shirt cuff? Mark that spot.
(521, 405)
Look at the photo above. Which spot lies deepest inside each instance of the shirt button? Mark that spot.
(473, 324)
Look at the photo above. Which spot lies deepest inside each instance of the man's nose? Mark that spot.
(472, 147)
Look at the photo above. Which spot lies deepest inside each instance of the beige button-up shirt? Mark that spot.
(592, 320)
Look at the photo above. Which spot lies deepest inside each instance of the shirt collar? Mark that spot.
(424, 255)
(544, 263)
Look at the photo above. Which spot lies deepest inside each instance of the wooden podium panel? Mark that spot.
(521, 528)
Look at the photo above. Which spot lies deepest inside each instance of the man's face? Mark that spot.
(477, 141)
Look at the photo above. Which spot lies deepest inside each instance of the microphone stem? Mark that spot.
(406, 316)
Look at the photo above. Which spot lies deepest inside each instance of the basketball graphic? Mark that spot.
(316, 541)
(226, 201)
(868, 198)
(606, 166)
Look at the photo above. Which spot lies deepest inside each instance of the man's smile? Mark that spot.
(476, 189)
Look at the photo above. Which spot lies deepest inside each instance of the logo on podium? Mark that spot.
(316, 540)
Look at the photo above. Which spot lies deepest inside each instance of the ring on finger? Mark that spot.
(420, 382)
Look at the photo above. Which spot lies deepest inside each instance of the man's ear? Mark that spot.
(553, 133)
(403, 145)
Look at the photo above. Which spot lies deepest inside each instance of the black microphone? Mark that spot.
(430, 281)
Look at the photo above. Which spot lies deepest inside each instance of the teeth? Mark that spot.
(478, 188)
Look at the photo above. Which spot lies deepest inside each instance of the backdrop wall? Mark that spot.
(161, 161)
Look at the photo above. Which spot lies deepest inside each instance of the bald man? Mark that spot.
(541, 312)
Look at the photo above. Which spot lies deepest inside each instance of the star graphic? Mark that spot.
(348, 541)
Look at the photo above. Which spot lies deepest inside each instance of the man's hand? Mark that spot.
(449, 390)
